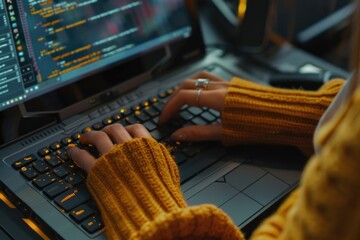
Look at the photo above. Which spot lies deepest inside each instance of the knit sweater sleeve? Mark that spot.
(326, 204)
(137, 189)
(255, 113)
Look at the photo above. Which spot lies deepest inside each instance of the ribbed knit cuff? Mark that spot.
(137, 189)
(255, 113)
(133, 184)
(199, 222)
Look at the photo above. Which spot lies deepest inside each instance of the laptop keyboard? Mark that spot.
(62, 182)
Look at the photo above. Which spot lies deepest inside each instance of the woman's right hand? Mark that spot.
(212, 97)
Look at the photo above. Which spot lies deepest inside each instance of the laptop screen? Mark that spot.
(45, 45)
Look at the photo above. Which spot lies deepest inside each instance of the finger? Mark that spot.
(99, 139)
(138, 131)
(215, 82)
(209, 76)
(212, 99)
(117, 133)
(81, 157)
(190, 84)
(198, 133)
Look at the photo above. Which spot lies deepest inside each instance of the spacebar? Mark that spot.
(201, 161)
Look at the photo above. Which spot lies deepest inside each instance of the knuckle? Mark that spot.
(98, 136)
(80, 153)
(112, 127)
(194, 132)
(202, 74)
(138, 126)
(186, 82)
(181, 92)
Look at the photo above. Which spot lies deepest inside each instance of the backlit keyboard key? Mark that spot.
(43, 152)
(29, 172)
(55, 146)
(142, 117)
(151, 111)
(61, 153)
(60, 171)
(74, 179)
(87, 129)
(72, 198)
(53, 161)
(107, 121)
(43, 180)
(136, 108)
(159, 106)
(124, 111)
(76, 136)
(66, 141)
(130, 120)
(81, 213)
(97, 126)
(116, 117)
(40, 166)
(92, 225)
(24, 161)
(55, 189)
(145, 104)
(162, 95)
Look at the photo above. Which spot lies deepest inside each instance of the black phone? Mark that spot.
(246, 22)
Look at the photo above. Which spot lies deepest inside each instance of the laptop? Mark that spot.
(92, 63)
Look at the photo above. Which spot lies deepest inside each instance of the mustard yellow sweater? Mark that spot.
(137, 187)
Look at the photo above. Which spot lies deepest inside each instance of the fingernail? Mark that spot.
(178, 136)
(71, 145)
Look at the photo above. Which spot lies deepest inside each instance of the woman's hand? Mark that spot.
(213, 96)
(104, 141)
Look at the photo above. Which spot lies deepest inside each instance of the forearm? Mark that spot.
(260, 114)
(326, 204)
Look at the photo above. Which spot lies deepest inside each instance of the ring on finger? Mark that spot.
(201, 83)
(197, 96)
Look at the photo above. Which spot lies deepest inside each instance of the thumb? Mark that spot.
(198, 133)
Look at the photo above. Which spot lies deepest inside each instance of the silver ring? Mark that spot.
(197, 96)
(201, 83)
